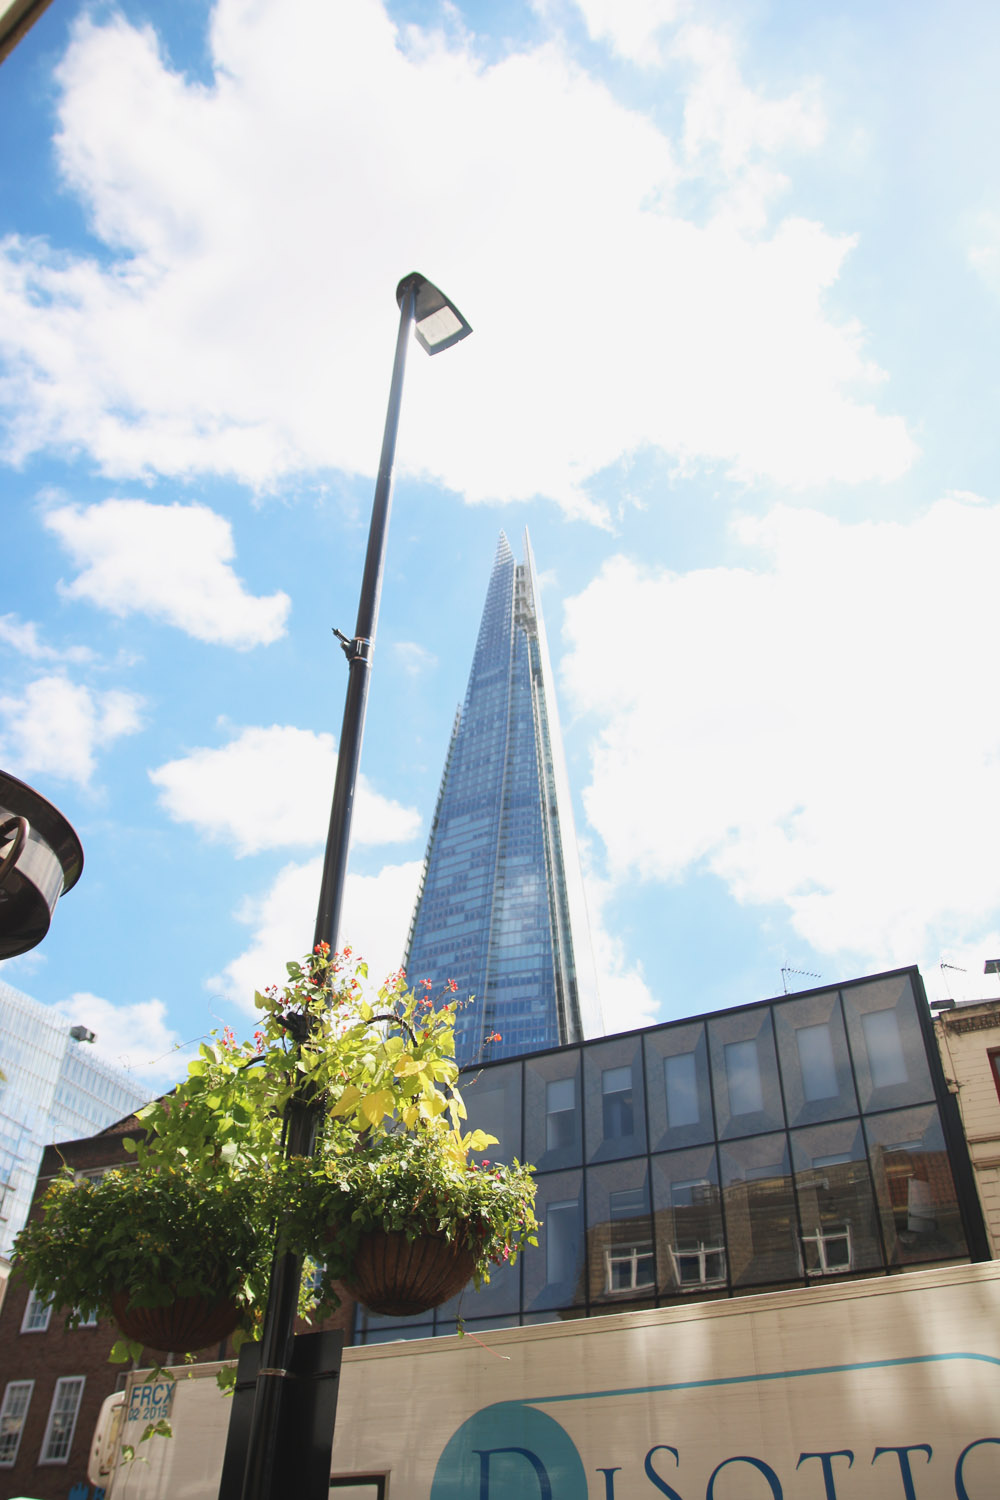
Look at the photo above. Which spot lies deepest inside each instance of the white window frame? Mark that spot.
(701, 1251)
(10, 1396)
(88, 1320)
(57, 1410)
(630, 1256)
(822, 1236)
(36, 1314)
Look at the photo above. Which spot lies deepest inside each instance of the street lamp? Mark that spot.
(437, 324)
(40, 859)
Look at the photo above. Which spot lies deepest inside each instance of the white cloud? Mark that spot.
(244, 328)
(984, 249)
(56, 726)
(626, 999)
(414, 659)
(23, 636)
(270, 788)
(822, 733)
(171, 562)
(633, 30)
(133, 1036)
(376, 919)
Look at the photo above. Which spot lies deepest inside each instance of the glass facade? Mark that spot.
(53, 1089)
(771, 1146)
(501, 909)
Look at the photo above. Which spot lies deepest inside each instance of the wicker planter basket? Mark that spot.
(399, 1277)
(180, 1327)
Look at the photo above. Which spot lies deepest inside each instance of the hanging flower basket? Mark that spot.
(179, 1327)
(400, 1277)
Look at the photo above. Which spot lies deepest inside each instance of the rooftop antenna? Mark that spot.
(806, 974)
(947, 982)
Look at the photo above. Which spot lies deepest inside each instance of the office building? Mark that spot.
(788, 1143)
(53, 1089)
(501, 907)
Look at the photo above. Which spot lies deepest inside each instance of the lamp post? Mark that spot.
(437, 324)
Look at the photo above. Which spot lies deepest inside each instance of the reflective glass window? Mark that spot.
(887, 1044)
(36, 1314)
(836, 1208)
(746, 1090)
(560, 1114)
(620, 1232)
(16, 1400)
(62, 1420)
(745, 1073)
(761, 1229)
(614, 1099)
(884, 1045)
(678, 1089)
(690, 1246)
(498, 1297)
(493, 1100)
(553, 1130)
(618, 1113)
(819, 1074)
(553, 1273)
(916, 1193)
(680, 1078)
(814, 1059)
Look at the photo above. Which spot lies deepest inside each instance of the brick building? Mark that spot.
(969, 1038)
(54, 1379)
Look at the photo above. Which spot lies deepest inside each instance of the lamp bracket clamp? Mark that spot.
(358, 649)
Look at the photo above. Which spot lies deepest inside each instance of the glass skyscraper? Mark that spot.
(501, 908)
(52, 1089)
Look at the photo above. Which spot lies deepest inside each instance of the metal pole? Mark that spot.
(359, 653)
(260, 1481)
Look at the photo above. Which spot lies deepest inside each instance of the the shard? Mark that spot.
(501, 907)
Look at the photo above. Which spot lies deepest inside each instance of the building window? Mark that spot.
(746, 1092)
(994, 1056)
(698, 1264)
(827, 1250)
(16, 1400)
(562, 1240)
(619, 1116)
(681, 1081)
(560, 1113)
(62, 1420)
(885, 1048)
(36, 1314)
(819, 1071)
(629, 1268)
(629, 1265)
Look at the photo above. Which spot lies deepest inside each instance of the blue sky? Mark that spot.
(734, 275)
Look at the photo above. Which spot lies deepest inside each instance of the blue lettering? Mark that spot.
(756, 1463)
(657, 1479)
(609, 1481)
(541, 1473)
(961, 1493)
(826, 1459)
(903, 1455)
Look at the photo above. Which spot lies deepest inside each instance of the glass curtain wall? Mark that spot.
(778, 1145)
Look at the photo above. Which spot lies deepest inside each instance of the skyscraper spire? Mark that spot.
(501, 908)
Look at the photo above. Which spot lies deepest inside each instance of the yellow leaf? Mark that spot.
(347, 1100)
(375, 1107)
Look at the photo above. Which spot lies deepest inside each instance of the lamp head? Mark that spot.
(437, 322)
